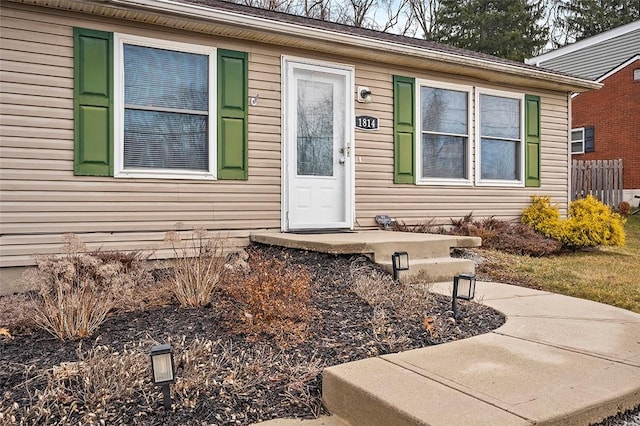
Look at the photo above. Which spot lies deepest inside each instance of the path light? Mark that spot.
(162, 371)
(400, 260)
(464, 287)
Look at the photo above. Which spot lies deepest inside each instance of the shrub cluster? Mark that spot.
(77, 290)
(508, 237)
(590, 223)
(274, 297)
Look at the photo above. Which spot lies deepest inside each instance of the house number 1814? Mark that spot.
(366, 122)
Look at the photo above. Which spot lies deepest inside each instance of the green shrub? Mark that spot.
(590, 223)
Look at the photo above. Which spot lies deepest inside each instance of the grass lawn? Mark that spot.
(609, 275)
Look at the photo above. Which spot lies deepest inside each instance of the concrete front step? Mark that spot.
(434, 269)
(427, 252)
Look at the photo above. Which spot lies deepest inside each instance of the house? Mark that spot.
(605, 122)
(122, 118)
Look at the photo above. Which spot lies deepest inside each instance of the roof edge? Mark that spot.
(268, 24)
(545, 78)
(582, 44)
(618, 68)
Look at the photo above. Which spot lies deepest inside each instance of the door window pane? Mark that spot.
(315, 124)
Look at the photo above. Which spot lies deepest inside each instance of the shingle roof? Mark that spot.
(356, 31)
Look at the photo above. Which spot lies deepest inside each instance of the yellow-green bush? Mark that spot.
(544, 217)
(590, 222)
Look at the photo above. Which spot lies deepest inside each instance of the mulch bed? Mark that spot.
(341, 331)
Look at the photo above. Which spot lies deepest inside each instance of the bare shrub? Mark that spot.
(79, 289)
(230, 373)
(378, 288)
(395, 305)
(198, 267)
(16, 313)
(85, 391)
(509, 237)
(522, 240)
(275, 298)
(624, 208)
(426, 227)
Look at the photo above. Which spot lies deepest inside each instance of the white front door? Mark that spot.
(317, 145)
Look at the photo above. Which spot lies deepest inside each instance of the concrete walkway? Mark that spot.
(558, 360)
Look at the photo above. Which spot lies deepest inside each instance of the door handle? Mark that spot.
(342, 160)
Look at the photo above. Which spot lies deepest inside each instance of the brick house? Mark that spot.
(605, 123)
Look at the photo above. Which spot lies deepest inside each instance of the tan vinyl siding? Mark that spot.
(42, 199)
(376, 194)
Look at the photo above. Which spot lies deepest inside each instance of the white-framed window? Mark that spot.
(577, 140)
(444, 133)
(164, 109)
(499, 138)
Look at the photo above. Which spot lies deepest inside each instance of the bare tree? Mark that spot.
(425, 14)
(318, 9)
(287, 6)
(398, 17)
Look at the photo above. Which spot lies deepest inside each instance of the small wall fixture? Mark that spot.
(364, 94)
(162, 370)
(464, 287)
(400, 261)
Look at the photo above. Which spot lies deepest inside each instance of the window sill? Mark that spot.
(444, 182)
(501, 183)
(164, 174)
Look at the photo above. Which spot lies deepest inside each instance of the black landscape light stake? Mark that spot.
(400, 260)
(464, 287)
(162, 370)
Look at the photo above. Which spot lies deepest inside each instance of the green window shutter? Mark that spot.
(403, 129)
(532, 140)
(93, 102)
(233, 73)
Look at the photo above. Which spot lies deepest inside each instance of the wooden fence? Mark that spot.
(600, 178)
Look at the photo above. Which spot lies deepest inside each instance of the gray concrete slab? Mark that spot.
(565, 322)
(538, 382)
(320, 421)
(375, 392)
